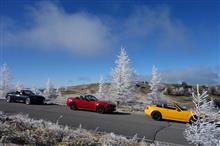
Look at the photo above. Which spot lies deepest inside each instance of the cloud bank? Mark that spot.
(148, 22)
(194, 75)
(49, 26)
(202, 75)
(52, 28)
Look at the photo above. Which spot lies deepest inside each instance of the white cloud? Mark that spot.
(146, 22)
(53, 28)
(50, 27)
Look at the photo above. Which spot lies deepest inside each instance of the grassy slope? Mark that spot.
(141, 92)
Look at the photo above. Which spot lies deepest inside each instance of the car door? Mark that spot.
(182, 115)
(174, 113)
(87, 103)
(81, 102)
(17, 96)
(90, 104)
(23, 96)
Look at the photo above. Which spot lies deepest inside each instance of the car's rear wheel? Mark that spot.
(156, 115)
(100, 109)
(8, 99)
(73, 106)
(27, 101)
(42, 102)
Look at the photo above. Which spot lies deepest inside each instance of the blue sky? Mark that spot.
(74, 42)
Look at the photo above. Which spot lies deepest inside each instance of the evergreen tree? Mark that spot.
(5, 80)
(122, 79)
(204, 130)
(50, 92)
(101, 87)
(155, 84)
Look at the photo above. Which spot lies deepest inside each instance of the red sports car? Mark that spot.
(90, 102)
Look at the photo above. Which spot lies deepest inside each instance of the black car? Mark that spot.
(26, 96)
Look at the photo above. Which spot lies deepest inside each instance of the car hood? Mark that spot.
(71, 98)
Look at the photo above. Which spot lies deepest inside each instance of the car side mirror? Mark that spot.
(178, 110)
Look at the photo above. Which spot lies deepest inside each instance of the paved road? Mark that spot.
(119, 123)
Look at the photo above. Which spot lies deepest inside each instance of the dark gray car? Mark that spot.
(26, 96)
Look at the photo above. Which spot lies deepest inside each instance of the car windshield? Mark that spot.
(28, 92)
(160, 103)
(184, 108)
(170, 105)
(91, 98)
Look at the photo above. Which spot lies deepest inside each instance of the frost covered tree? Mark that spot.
(155, 84)
(36, 91)
(60, 99)
(5, 80)
(19, 86)
(204, 130)
(50, 92)
(49, 86)
(101, 88)
(122, 79)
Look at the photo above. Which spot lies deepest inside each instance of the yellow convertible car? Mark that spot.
(169, 112)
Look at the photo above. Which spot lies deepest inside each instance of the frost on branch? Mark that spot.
(50, 93)
(155, 85)
(36, 91)
(100, 93)
(122, 79)
(204, 130)
(53, 95)
(5, 80)
(60, 99)
(19, 86)
(103, 92)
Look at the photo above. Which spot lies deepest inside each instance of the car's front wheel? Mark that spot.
(156, 115)
(8, 99)
(73, 106)
(100, 109)
(27, 101)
